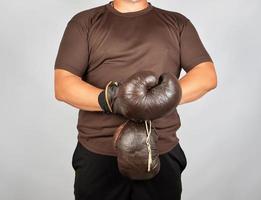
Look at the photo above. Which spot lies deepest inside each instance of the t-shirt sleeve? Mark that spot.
(192, 50)
(73, 49)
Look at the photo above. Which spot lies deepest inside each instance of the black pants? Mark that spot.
(97, 178)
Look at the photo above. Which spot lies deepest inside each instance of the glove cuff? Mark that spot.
(102, 102)
(110, 92)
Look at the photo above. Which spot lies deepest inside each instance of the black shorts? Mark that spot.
(97, 177)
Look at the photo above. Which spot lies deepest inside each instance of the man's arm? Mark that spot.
(70, 65)
(198, 81)
(71, 89)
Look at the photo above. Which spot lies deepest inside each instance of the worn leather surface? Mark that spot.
(132, 152)
(144, 96)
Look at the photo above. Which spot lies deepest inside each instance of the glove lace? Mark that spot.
(148, 132)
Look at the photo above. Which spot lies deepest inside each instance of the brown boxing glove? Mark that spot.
(137, 154)
(142, 96)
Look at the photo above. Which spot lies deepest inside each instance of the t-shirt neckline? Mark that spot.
(129, 14)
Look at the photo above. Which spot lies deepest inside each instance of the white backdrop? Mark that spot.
(220, 133)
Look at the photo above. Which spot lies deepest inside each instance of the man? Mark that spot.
(112, 42)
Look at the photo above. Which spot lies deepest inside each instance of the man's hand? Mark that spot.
(198, 81)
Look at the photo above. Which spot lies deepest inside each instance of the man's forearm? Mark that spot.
(198, 82)
(78, 93)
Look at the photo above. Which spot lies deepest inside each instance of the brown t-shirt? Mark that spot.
(102, 44)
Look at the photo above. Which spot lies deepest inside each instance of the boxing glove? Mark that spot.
(137, 154)
(143, 96)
